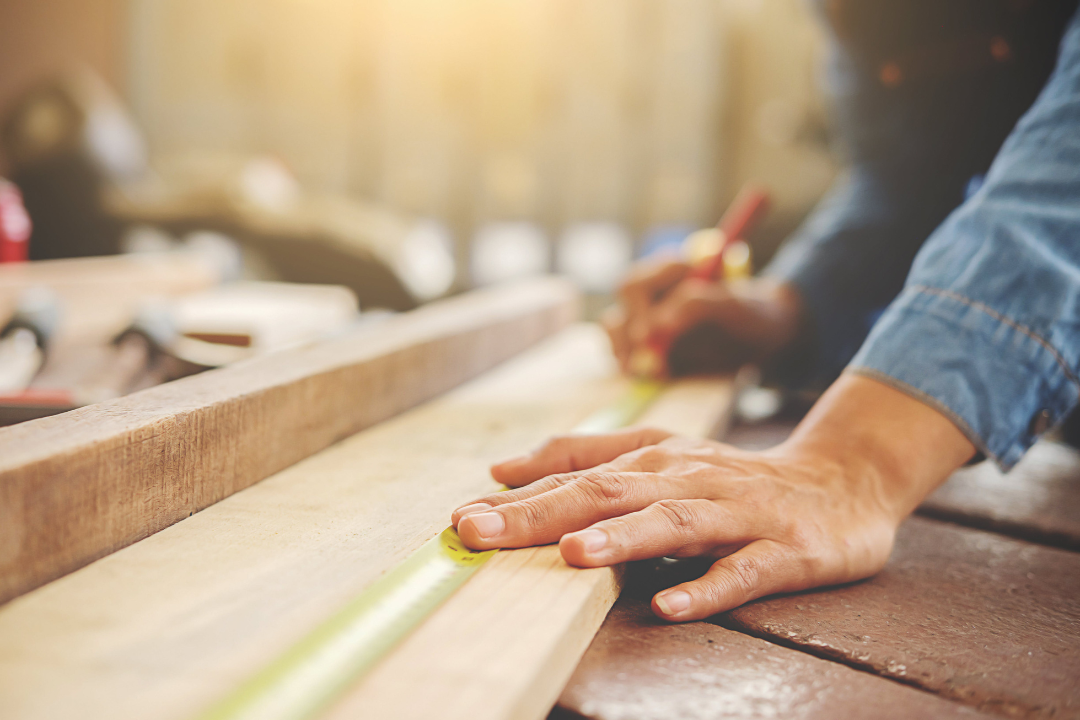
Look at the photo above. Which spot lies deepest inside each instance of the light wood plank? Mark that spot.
(166, 626)
(504, 646)
(99, 296)
(78, 486)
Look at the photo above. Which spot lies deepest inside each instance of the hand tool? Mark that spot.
(731, 258)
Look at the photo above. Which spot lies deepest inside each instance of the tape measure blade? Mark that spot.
(317, 669)
(311, 674)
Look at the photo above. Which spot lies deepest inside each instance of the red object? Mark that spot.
(745, 210)
(14, 225)
(39, 397)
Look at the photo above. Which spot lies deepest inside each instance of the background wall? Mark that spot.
(642, 112)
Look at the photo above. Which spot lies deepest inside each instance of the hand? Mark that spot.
(820, 509)
(718, 326)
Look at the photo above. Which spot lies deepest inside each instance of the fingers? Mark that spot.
(669, 528)
(644, 286)
(761, 568)
(501, 498)
(571, 453)
(691, 304)
(614, 322)
(574, 505)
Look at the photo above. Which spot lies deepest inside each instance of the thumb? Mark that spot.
(755, 571)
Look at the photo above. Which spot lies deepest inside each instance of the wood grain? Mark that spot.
(643, 668)
(100, 295)
(984, 619)
(1037, 500)
(504, 645)
(164, 627)
(78, 486)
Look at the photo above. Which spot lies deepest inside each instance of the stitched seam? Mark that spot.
(1005, 321)
(930, 400)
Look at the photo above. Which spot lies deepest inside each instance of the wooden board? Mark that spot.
(166, 626)
(78, 486)
(504, 645)
(1037, 500)
(988, 620)
(100, 295)
(642, 668)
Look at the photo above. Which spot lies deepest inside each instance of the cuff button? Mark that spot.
(1040, 423)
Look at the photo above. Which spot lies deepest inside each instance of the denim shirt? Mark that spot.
(986, 325)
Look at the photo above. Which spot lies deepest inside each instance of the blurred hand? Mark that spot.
(716, 325)
(820, 509)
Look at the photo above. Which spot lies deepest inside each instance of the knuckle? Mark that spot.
(679, 514)
(533, 515)
(745, 573)
(558, 480)
(652, 458)
(604, 487)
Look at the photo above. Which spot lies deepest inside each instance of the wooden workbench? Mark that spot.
(976, 615)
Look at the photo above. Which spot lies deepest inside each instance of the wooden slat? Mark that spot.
(78, 486)
(505, 644)
(1037, 500)
(988, 620)
(99, 296)
(166, 626)
(641, 668)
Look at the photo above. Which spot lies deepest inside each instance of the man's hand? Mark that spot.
(753, 318)
(820, 509)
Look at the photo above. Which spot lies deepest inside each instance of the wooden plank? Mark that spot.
(100, 295)
(505, 644)
(164, 627)
(984, 619)
(639, 667)
(1037, 500)
(78, 486)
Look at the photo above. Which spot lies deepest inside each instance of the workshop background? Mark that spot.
(511, 138)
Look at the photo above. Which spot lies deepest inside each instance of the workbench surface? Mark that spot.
(976, 615)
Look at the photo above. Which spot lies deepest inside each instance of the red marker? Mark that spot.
(14, 224)
(748, 207)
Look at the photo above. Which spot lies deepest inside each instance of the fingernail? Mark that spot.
(474, 508)
(592, 540)
(673, 603)
(487, 524)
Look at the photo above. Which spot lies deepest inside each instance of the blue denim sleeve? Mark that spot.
(987, 327)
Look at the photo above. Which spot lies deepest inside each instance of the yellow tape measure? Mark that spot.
(320, 667)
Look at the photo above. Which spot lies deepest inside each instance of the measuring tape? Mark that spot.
(320, 667)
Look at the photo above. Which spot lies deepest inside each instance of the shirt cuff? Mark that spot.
(999, 382)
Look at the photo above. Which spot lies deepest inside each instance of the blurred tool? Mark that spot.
(25, 338)
(14, 225)
(711, 252)
(166, 339)
(82, 165)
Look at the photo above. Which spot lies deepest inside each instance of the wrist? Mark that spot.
(892, 447)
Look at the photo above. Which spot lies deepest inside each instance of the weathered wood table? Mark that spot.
(976, 615)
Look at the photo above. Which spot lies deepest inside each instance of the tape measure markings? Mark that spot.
(316, 670)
